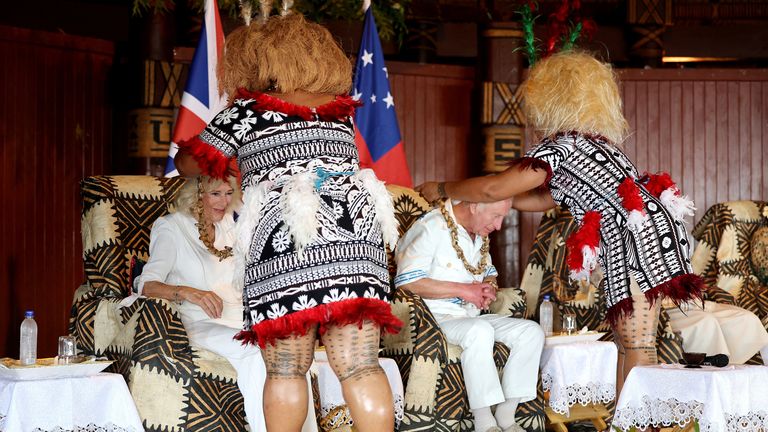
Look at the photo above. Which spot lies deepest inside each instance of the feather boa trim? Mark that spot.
(382, 203)
(338, 109)
(583, 246)
(341, 313)
(679, 289)
(632, 202)
(663, 188)
(254, 198)
(300, 203)
(211, 161)
(527, 162)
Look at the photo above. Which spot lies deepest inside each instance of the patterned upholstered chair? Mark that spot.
(175, 387)
(435, 395)
(732, 256)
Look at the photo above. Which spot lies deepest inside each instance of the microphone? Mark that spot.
(717, 360)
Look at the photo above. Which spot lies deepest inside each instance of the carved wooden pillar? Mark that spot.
(503, 130)
(647, 21)
(150, 119)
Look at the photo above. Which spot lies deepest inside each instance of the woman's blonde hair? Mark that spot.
(284, 55)
(189, 195)
(573, 91)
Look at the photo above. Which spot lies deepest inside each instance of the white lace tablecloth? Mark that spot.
(330, 387)
(95, 403)
(579, 372)
(733, 398)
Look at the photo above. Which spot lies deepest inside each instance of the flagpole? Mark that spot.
(366, 5)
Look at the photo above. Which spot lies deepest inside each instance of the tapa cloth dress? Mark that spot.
(311, 233)
(584, 175)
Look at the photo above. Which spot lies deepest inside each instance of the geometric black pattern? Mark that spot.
(730, 226)
(146, 340)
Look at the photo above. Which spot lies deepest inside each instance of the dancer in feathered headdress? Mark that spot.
(630, 224)
(311, 236)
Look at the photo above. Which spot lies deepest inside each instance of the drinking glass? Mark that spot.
(67, 349)
(569, 323)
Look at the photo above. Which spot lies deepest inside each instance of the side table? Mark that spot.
(579, 377)
(733, 398)
(96, 402)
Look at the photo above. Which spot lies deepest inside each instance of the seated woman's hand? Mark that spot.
(211, 304)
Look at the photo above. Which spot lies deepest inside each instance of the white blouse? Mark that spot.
(177, 256)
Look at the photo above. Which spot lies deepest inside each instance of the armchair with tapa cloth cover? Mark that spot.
(175, 386)
(435, 394)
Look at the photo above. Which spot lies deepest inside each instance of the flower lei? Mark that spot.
(459, 252)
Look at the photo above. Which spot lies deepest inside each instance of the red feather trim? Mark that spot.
(526, 162)
(210, 160)
(624, 308)
(587, 235)
(630, 195)
(658, 183)
(338, 109)
(679, 289)
(345, 312)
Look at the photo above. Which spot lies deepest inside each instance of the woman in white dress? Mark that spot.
(190, 263)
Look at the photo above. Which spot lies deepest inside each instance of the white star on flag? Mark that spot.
(367, 58)
(373, 98)
(389, 100)
(357, 95)
(386, 72)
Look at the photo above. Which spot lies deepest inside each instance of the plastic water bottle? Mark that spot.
(28, 345)
(545, 316)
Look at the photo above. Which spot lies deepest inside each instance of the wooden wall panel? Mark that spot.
(707, 128)
(435, 113)
(55, 130)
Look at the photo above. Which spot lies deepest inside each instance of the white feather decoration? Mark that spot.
(382, 203)
(300, 203)
(636, 219)
(678, 205)
(254, 198)
(588, 263)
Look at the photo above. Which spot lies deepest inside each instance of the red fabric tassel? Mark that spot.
(679, 289)
(630, 195)
(658, 183)
(345, 312)
(588, 235)
(619, 310)
(339, 109)
(211, 161)
(526, 162)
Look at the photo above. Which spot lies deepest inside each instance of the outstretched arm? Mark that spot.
(506, 184)
(533, 201)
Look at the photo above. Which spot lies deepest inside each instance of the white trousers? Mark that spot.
(719, 329)
(251, 371)
(476, 336)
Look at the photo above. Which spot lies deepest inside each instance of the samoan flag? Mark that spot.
(377, 135)
(201, 100)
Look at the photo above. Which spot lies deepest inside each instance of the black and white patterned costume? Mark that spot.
(313, 225)
(585, 174)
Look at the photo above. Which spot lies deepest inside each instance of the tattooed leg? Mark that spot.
(285, 391)
(353, 356)
(635, 338)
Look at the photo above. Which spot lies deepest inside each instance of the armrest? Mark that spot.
(150, 331)
(718, 295)
(420, 335)
(509, 301)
